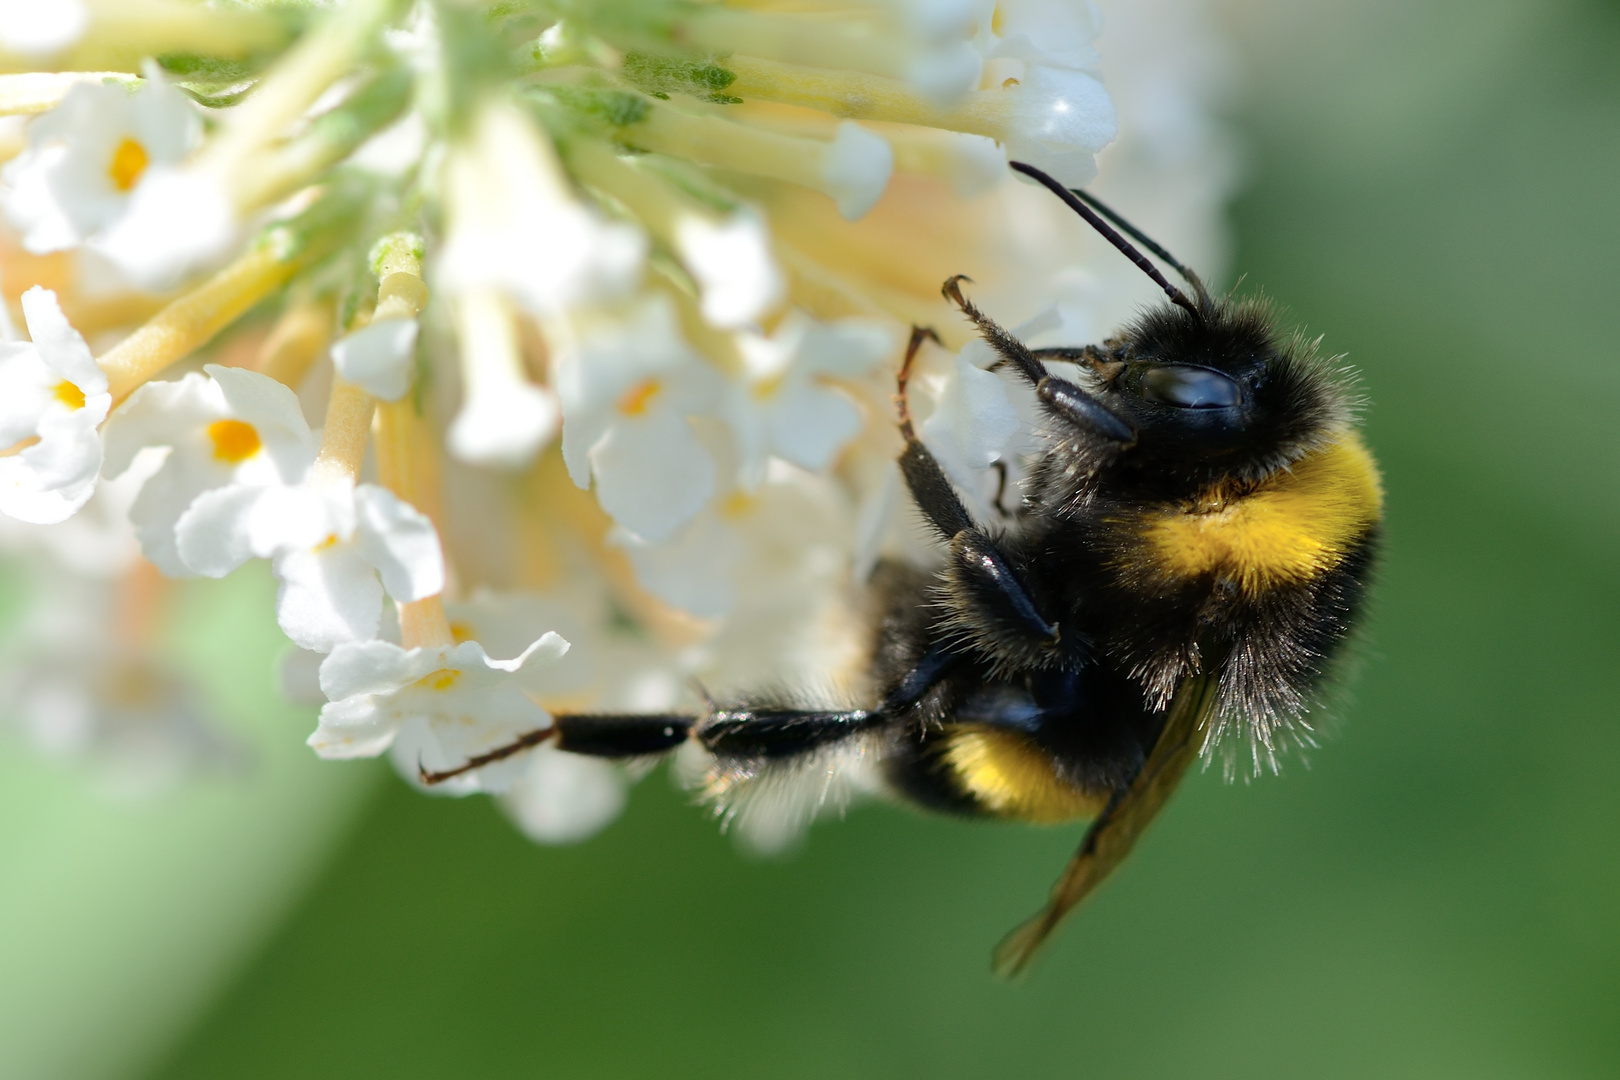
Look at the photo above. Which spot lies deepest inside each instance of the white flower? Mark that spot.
(562, 798)
(87, 157)
(747, 549)
(504, 418)
(1051, 33)
(379, 357)
(975, 418)
(516, 228)
(972, 423)
(52, 398)
(787, 407)
(37, 29)
(451, 702)
(732, 263)
(178, 221)
(329, 543)
(855, 169)
(230, 427)
(1057, 120)
(627, 390)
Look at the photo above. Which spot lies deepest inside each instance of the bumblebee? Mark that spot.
(1190, 555)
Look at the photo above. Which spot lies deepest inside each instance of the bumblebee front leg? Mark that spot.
(1060, 398)
(976, 564)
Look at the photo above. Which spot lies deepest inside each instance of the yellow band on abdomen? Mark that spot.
(1010, 777)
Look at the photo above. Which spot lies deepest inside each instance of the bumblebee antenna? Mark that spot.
(1075, 203)
(1140, 237)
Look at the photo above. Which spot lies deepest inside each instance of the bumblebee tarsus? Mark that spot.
(1061, 398)
(1001, 488)
(478, 761)
(902, 404)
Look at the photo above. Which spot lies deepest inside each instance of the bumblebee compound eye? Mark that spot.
(1186, 387)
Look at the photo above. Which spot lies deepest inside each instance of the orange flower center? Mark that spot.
(69, 395)
(128, 163)
(638, 397)
(233, 440)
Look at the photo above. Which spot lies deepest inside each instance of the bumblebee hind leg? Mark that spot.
(732, 735)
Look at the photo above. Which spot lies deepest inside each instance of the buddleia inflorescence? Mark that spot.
(542, 349)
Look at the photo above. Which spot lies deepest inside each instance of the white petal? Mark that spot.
(400, 542)
(301, 516)
(563, 798)
(1058, 33)
(856, 169)
(214, 534)
(48, 481)
(809, 424)
(27, 390)
(353, 728)
(504, 430)
(944, 74)
(155, 413)
(733, 265)
(693, 570)
(177, 222)
(273, 411)
(39, 29)
(652, 474)
(973, 423)
(380, 357)
(373, 667)
(1058, 120)
(327, 597)
(847, 348)
(60, 346)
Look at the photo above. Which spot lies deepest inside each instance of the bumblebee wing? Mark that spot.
(1122, 821)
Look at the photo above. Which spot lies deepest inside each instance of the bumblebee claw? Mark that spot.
(952, 289)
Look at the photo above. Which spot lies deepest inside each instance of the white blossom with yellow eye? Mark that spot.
(52, 398)
(226, 429)
(86, 159)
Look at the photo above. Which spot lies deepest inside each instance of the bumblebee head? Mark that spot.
(1209, 387)
(1222, 394)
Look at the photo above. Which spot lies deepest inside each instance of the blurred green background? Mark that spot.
(1433, 186)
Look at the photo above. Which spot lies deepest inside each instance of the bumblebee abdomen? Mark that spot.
(1296, 526)
(1005, 774)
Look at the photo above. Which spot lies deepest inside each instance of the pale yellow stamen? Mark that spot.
(194, 318)
(234, 441)
(69, 394)
(858, 96)
(128, 164)
(299, 339)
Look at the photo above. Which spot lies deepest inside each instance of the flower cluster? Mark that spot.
(542, 349)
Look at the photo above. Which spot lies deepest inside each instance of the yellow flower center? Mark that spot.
(440, 680)
(128, 163)
(638, 397)
(736, 505)
(69, 395)
(234, 441)
(463, 632)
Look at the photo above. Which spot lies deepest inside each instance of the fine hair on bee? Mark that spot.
(1187, 561)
